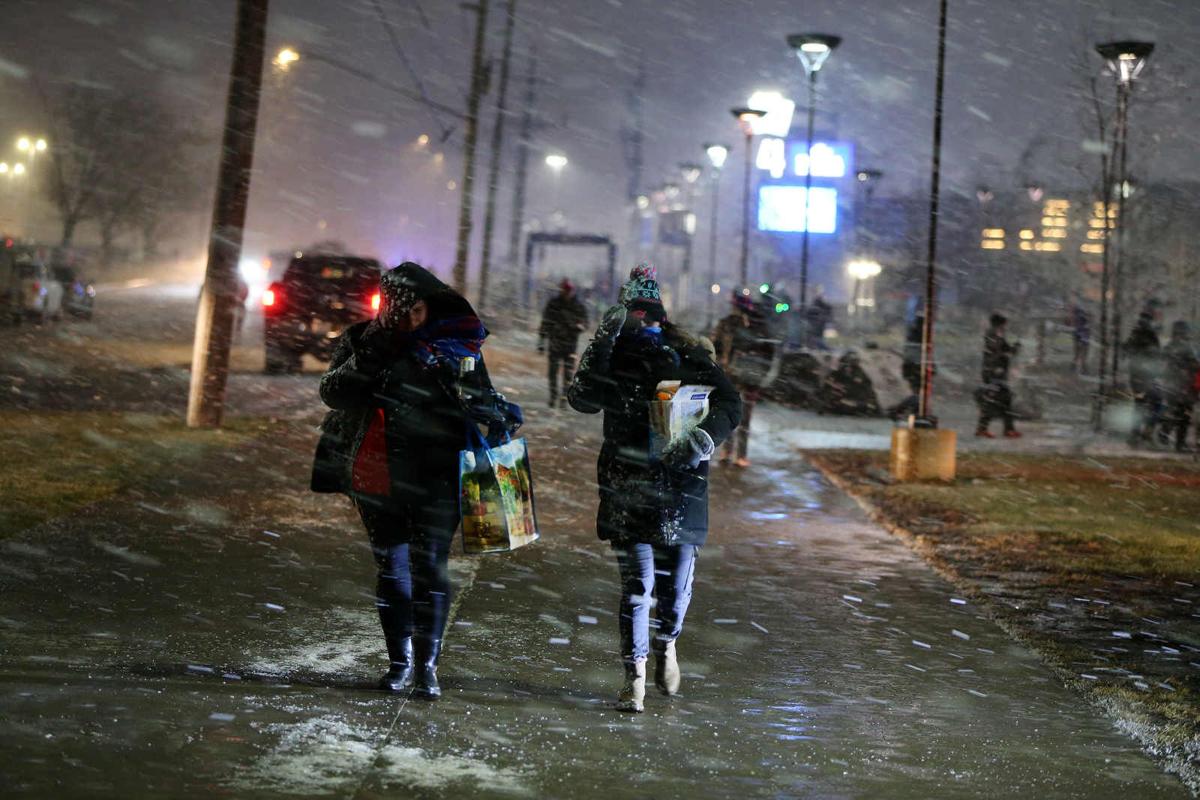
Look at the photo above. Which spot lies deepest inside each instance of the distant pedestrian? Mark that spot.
(910, 369)
(653, 511)
(994, 395)
(1080, 323)
(1143, 353)
(404, 387)
(563, 319)
(1179, 382)
(746, 350)
(817, 317)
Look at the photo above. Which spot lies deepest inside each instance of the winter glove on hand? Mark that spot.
(610, 325)
(688, 452)
(376, 349)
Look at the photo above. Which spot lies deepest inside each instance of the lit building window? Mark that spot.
(1026, 234)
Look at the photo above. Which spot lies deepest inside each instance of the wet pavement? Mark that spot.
(218, 638)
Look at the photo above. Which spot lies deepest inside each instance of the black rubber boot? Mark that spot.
(426, 684)
(400, 674)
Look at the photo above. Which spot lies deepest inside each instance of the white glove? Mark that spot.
(688, 452)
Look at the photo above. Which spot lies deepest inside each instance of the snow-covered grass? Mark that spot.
(1094, 562)
(57, 462)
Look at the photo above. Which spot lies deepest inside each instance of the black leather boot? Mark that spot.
(426, 683)
(400, 674)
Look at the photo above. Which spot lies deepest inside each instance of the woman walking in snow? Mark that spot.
(653, 511)
(403, 388)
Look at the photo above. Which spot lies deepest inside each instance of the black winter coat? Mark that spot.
(997, 358)
(641, 500)
(563, 319)
(1143, 351)
(425, 418)
(1179, 378)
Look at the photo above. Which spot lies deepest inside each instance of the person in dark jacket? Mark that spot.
(910, 369)
(1143, 352)
(1080, 322)
(563, 319)
(403, 388)
(1179, 381)
(745, 350)
(653, 511)
(994, 395)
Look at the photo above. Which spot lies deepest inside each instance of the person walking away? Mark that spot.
(994, 396)
(403, 387)
(1179, 382)
(563, 319)
(817, 317)
(653, 511)
(745, 350)
(910, 369)
(1143, 353)
(1080, 323)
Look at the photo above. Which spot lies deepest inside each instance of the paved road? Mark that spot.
(216, 637)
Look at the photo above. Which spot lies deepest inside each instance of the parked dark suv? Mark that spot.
(318, 297)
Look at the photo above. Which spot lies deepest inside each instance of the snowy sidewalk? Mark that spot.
(219, 638)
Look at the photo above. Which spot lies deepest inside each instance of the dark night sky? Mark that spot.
(337, 149)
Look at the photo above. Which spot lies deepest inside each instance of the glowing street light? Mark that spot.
(862, 269)
(1125, 60)
(23, 144)
(717, 154)
(746, 118)
(691, 171)
(40, 145)
(3, 167)
(18, 169)
(556, 161)
(813, 50)
(285, 58)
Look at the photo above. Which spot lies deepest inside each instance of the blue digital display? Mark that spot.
(781, 209)
(829, 159)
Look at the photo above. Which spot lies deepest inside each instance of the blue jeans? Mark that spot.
(412, 587)
(663, 573)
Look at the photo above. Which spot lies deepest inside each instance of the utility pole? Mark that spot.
(926, 399)
(524, 139)
(1123, 90)
(478, 87)
(214, 319)
(489, 216)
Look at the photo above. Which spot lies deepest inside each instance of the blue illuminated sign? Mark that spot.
(781, 209)
(829, 159)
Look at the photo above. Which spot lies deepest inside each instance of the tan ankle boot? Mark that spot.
(666, 670)
(633, 693)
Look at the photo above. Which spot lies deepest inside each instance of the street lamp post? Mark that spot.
(691, 173)
(745, 117)
(1125, 60)
(717, 154)
(813, 49)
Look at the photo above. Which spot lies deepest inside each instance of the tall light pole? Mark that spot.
(691, 172)
(1125, 60)
(925, 406)
(746, 117)
(813, 50)
(717, 155)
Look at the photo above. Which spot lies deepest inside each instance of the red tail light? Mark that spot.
(375, 300)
